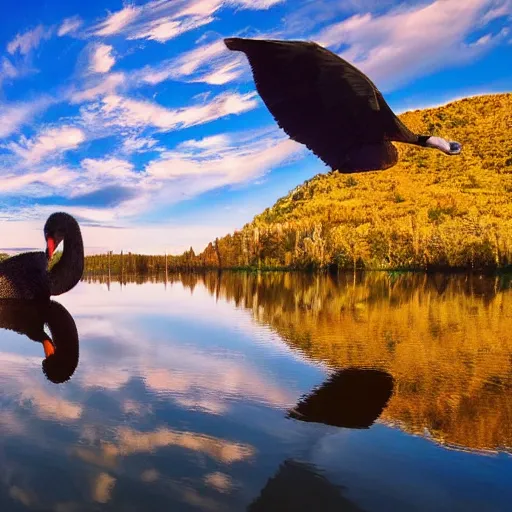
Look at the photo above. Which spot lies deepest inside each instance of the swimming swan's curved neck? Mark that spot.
(68, 271)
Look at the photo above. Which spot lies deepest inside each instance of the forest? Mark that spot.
(430, 211)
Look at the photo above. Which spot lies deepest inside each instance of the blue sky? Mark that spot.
(136, 119)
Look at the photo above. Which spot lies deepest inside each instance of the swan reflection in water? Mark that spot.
(301, 487)
(29, 318)
(350, 398)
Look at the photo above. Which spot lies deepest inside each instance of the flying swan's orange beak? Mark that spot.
(49, 349)
(50, 247)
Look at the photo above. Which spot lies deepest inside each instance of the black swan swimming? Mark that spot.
(327, 104)
(26, 276)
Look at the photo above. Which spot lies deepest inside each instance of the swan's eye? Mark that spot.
(455, 147)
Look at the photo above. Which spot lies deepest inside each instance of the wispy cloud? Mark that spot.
(139, 144)
(386, 47)
(224, 159)
(48, 142)
(114, 168)
(163, 30)
(312, 13)
(117, 21)
(163, 20)
(102, 86)
(102, 58)
(211, 63)
(69, 26)
(501, 9)
(7, 70)
(54, 177)
(14, 115)
(126, 112)
(28, 41)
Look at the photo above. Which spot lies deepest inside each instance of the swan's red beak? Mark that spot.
(49, 349)
(50, 247)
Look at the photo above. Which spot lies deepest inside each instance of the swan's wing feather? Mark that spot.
(25, 276)
(370, 157)
(392, 126)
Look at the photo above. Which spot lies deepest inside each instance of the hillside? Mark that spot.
(430, 209)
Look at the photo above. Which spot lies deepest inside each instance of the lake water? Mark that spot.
(264, 392)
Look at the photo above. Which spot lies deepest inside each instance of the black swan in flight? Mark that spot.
(26, 276)
(327, 104)
(28, 317)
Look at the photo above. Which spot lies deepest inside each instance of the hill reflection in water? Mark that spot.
(445, 339)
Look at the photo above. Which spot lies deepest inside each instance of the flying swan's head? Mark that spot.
(448, 147)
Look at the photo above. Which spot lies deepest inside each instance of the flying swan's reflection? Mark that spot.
(29, 317)
(350, 398)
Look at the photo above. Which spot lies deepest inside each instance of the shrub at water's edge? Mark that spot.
(429, 211)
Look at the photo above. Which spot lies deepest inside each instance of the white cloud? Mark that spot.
(163, 30)
(7, 69)
(69, 26)
(503, 9)
(310, 14)
(113, 167)
(102, 59)
(219, 481)
(212, 64)
(24, 43)
(105, 85)
(138, 144)
(409, 42)
(121, 111)
(117, 21)
(128, 188)
(256, 4)
(482, 40)
(162, 20)
(212, 143)
(49, 142)
(54, 177)
(223, 160)
(15, 115)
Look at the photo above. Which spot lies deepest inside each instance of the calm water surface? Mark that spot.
(271, 392)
